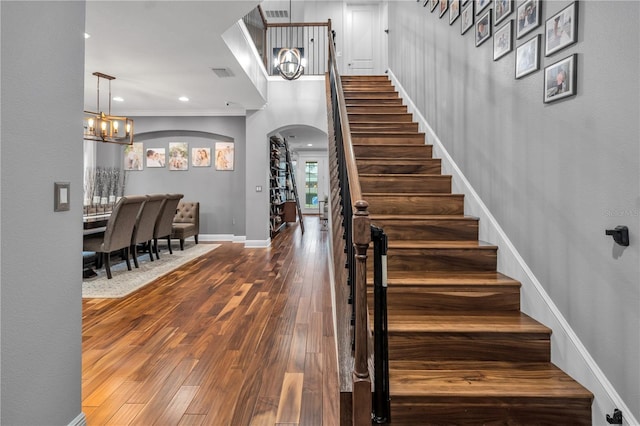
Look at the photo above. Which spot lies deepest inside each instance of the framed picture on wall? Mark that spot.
(480, 5)
(467, 18)
(454, 11)
(483, 28)
(502, 9)
(528, 15)
(502, 41)
(201, 157)
(224, 155)
(434, 4)
(178, 156)
(528, 57)
(155, 157)
(444, 5)
(560, 79)
(133, 156)
(561, 29)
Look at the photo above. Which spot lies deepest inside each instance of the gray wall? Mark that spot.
(220, 193)
(554, 175)
(42, 98)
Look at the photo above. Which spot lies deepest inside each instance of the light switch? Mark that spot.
(61, 196)
(258, 188)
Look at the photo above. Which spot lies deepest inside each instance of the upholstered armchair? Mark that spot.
(186, 222)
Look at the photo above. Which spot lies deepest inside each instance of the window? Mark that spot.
(311, 184)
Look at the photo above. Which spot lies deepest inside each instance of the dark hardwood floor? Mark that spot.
(236, 337)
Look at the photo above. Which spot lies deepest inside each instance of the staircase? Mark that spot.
(460, 350)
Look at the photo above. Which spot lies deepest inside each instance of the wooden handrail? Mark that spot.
(298, 24)
(358, 238)
(352, 170)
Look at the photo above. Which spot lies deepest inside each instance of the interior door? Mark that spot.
(363, 39)
(311, 179)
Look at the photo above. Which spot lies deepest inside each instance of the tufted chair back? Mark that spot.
(186, 222)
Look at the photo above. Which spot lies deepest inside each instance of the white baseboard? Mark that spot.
(257, 243)
(240, 239)
(221, 237)
(567, 351)
(80, 420)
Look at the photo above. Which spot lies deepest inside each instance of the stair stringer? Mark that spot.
(567, 350)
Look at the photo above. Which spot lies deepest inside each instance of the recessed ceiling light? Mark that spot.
(118, 99)
(183, 99)
(309, 144)
(87, 35)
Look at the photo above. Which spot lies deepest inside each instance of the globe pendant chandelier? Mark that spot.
(289, 61)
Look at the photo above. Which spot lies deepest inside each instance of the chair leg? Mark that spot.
(107, 264)
(148, 245)
(169, 243)
(126, 252)
(196, 238)
(181, 244)
(155, 248)
(134, 250)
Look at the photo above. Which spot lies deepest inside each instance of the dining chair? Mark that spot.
(164, 222)
(117, 235)
(145, 224)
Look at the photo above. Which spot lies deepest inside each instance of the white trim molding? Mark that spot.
(80, 420)
(257, 243)
(567, 351)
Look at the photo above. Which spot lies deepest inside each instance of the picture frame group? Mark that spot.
(560, 30)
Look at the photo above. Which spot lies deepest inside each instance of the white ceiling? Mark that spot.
(162, 50)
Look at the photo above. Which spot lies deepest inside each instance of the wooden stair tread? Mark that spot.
(414, 244)
(408, 279)
(410, 194)
(396, 161)
(482, 379)
(421, 217)
(467, 322)
(403, 175)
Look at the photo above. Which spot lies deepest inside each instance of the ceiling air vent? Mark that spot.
(276, 13)
(222, 72)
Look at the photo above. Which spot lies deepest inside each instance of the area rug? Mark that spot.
(125, 282)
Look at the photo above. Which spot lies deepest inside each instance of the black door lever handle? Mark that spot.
(620, 235)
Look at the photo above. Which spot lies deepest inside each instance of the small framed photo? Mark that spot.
(560, 79)
(480, 5)
(502, 9)
(483, 28)
(463, 2)
(528, 14)
(502, 41)
(201, 157)
(444, 5)
(528, 57)
(133, 156)
(178, 156)
(155, 157)
(426, 3)
(434, 4)
(561, 29)
(467, 18)
(225, 152)
(454, 11)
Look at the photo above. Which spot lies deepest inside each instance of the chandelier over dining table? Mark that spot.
(102, 127)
